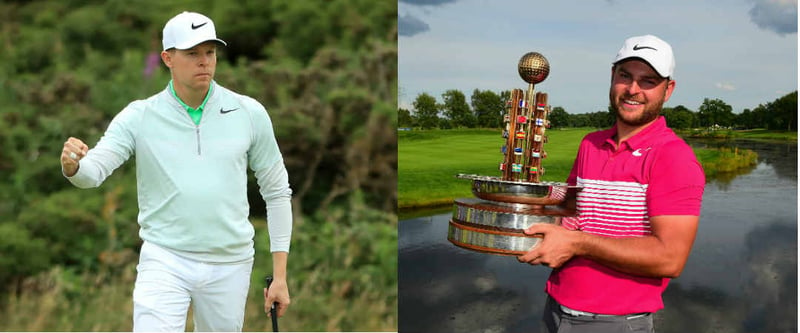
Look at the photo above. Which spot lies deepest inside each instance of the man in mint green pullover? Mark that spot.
(193, 142)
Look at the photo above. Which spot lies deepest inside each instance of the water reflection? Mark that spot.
(740, 277)
(766, 299)
(447, 289)
(772, 282)
(771, 154)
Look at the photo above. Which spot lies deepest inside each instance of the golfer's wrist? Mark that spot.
(281, 278)
(69, 171)
(279, 260)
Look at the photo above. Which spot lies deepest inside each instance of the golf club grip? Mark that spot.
(273, 310)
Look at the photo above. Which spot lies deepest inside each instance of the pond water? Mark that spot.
(741, 275)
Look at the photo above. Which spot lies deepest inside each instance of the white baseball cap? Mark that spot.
(188, 29)
(651, 49)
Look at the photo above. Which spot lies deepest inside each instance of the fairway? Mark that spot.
(428, 161)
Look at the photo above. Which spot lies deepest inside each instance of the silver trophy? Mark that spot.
(507, 205)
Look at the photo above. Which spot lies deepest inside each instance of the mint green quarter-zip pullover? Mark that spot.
(192, 177)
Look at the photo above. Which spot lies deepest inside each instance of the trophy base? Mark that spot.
(489, 241)
(498, 227)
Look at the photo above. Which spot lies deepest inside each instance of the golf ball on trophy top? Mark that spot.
(533, 67)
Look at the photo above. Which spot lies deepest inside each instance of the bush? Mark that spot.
(22, 256)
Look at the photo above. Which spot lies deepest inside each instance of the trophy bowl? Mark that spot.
(496, 189)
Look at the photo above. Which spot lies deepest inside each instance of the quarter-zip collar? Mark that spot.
(195, 114)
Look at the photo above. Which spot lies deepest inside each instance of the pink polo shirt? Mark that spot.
(653, 173)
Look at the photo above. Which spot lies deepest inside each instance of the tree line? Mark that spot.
(486, 109)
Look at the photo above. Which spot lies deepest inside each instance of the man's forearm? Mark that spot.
(279, 261)
(662, 254)
(643, 256)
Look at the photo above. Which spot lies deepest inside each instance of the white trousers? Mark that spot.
(167, 283)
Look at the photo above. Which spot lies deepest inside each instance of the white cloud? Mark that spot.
(727, 86)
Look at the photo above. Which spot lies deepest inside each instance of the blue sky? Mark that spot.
(743, 52)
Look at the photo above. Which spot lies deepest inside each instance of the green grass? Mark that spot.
(725, 160)
(753, 134)
(767, 135)
(429, 160)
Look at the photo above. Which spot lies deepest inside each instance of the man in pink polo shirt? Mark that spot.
(637, 213)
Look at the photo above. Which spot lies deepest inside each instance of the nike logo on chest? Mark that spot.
(638, 152)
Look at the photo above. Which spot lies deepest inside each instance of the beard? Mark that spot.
(650, 112)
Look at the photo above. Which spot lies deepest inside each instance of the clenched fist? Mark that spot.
(74, 150)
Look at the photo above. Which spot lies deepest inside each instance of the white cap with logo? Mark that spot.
(188, 29)
(651, 49)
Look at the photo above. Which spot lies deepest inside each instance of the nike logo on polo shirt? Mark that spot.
(637, 47)
(222, 111)
(638, 152)
(195, 27)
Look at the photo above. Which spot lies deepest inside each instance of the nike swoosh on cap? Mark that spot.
(195, 27)
(637, 47)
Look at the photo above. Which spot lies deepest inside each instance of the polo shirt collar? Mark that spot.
(640, 139)
(187, 107)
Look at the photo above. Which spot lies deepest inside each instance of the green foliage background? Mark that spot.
(325, 71)
(778, 115)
